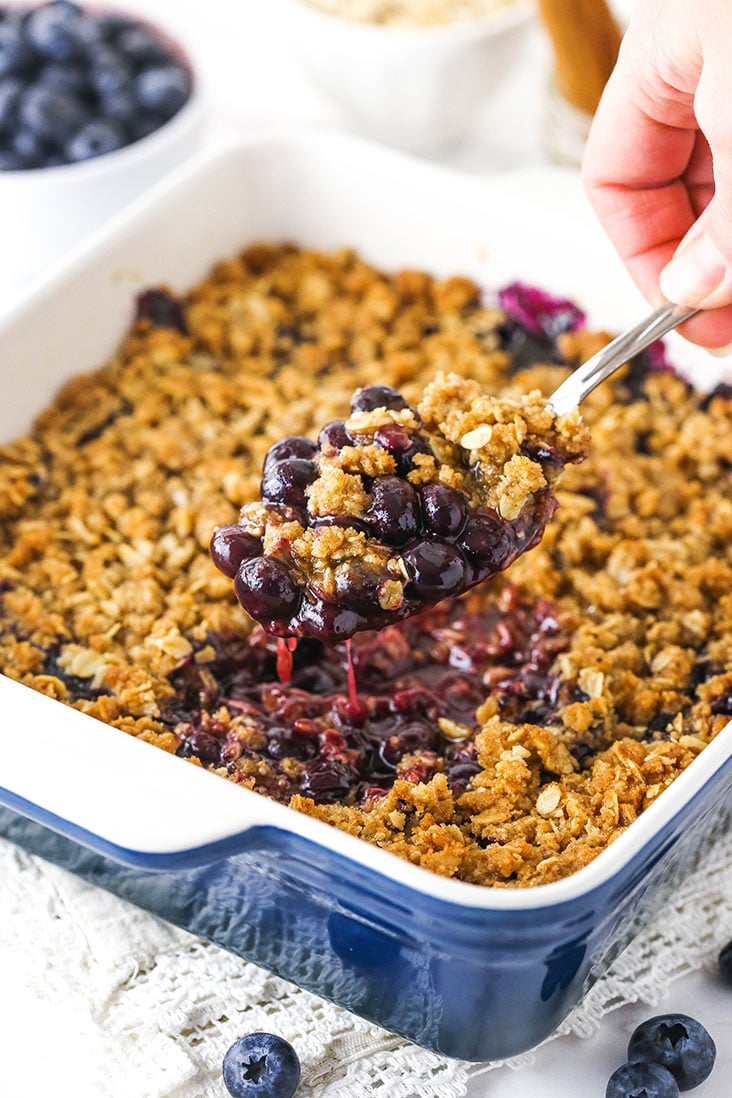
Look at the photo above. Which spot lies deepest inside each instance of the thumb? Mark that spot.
(699, 274)
(700, 271)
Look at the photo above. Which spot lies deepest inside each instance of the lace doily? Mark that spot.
(163, 1006)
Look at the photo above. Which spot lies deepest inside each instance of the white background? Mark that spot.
(254, 82)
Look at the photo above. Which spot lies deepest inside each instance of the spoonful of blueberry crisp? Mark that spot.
(398, 507)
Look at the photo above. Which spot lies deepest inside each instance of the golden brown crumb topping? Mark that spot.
(572, 690)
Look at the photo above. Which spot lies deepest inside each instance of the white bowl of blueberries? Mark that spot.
(95, 106)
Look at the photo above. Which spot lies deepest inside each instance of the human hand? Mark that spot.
(658, 162)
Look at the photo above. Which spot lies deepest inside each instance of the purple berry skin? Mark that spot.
(377, 396)
(334, 436)
(394, 512)
(285, 481)
(231, 546)
(641, 1080)
(294, 446)
(678, 1043)
(444, 510)
(261, 1065)
(436, 570)
(266, 590)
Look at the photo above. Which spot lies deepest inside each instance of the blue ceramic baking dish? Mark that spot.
(469, 972)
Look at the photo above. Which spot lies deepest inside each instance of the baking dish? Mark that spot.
(469, 972)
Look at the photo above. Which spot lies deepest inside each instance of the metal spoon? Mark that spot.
(587, 376)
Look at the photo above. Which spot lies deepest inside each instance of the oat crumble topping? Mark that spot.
(505, 737)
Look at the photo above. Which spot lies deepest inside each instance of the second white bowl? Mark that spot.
(419, 88)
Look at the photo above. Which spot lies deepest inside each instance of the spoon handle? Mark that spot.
(586, 377)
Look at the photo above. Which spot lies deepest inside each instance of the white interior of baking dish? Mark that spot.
(324, 191)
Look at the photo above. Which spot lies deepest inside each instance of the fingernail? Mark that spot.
(693, 274)
(719, 352)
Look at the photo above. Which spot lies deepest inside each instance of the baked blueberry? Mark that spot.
(394, 512)
(435, 570)
(334, 436)
(678, 1043)
(266, 589)
(377, 396)
(294, 446)
(230, 546)
(161, 309)
(374, 543)
(261, 1065)
(641, 1080)
(284, 482)
(444, 510)
(326, 780)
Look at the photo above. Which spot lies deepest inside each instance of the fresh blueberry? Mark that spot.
(394, 511)
(142, 46)
(230, 545)
(51, 116)
(16, 57)
(445, 510)
(111, 26)
(261, 1065)
(10, 161)
(65, 78)
(60, 32)
(11, 89)
(294, 446)
(377, 396)
(285, 481)
(163, 90)
(678, 1043)
(641, 1080)
(725, 963)
(109, 76)
(266, 590)
(435, 569)
(95, 139)
(144, 124)
(32, 151)
(120, 106)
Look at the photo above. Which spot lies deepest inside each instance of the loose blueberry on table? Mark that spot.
(641, 1080)
(76, 85)
(395, 508)
(678, 1043)
(261, 1065)
(725, 963)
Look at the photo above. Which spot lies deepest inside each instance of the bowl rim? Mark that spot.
(504, 18)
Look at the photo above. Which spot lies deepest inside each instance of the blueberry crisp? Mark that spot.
(504, 735)
(396, 508)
